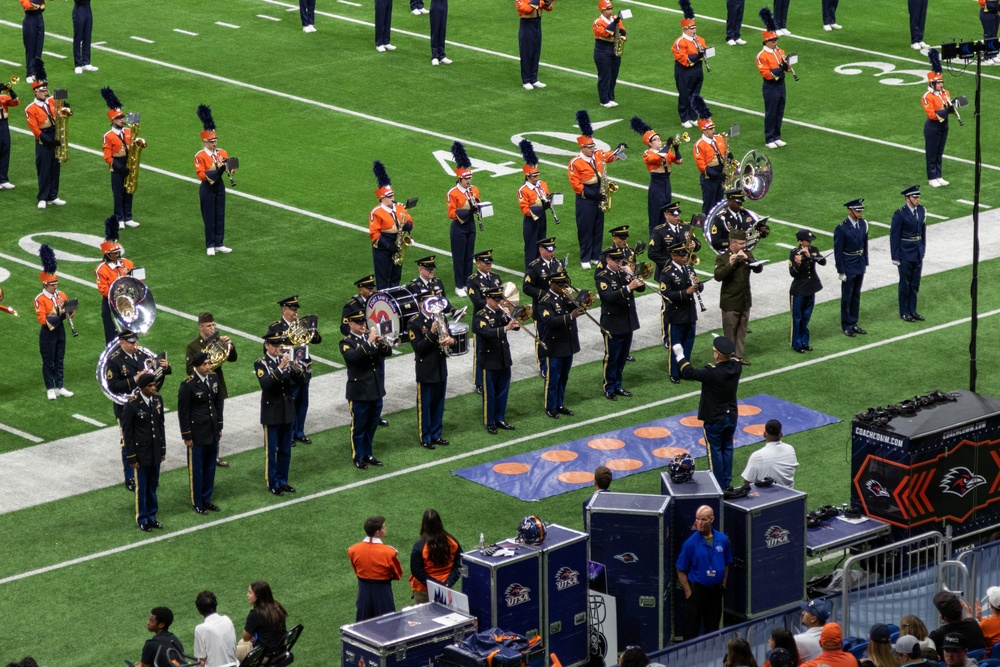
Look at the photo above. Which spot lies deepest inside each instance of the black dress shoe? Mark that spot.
(372, 461)
(630, 358)
(212, 508)
(610, 395)
(807, 348)
(276, 491)
(745, 362)
(294, 444)
(441, 442)
(623, 392)
(383, 423)
(564, 411)
(552, 414)
(859, 330)
(907, 318)
(146, 527)
(130, 485)
(491, 429)
(200, 510)
(918, 317)
(360, 465)
(541, 373)
(675, 380)
(286, 488)
(505, 426)
(479, 390)
(222, 463)
(303, 439)
(156, 524)
(428, 445)
(800, 350)
(849, 332)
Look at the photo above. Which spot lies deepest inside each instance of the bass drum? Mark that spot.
(395, 305)
(460, 333)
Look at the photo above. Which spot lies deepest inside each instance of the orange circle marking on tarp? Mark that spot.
(754, 429)
(623, 464)
(701, 441)
(605, 443)
(669, 452)
(576, 477)
(693, 422)
(747, 410)
(559, 456)
(652, 432)
(511, 468)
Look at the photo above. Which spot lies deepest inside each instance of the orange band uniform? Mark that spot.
(44, 306)
(705, 156)
(381, 220)
(581, 172)
(600, 27)
(457, 199)
(28, 7)
(438, 573)
(767, 61)
(684, 47)
(659, 163)
(375, 561)
(204, 163)
(7, 101)
(114, 146)
(528, 11)
(107, 275)
(528, 197)
(933, 103)
(38, 120)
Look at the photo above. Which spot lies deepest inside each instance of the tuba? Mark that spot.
(135, 146)
(132, 305)
(103, 373)
(715, 222)
(63, 112)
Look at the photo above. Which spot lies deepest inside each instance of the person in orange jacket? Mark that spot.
(50, 309)
(529, 39)
(772, 65)
(376, 565)
(534, 199)
(385, 223)
(8, 98)
(436, 556)
(689, 74)
(113, 266)
(41, 115)
(584, 177)
(463, 210)
(209, 166)
(709, 156)
(32, 33)
(607, 62)
(658, 158)
(937, 106)
(116, 149)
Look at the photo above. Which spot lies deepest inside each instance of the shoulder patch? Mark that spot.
(545, 313)
(345, 347)
(260, 372)
(603, 285)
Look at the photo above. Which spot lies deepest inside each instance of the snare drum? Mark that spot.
(460, 333)
(396, 305)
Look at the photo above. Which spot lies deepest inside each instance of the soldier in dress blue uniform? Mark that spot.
(619, 240)
(426, 282)
(732, 217)
(145, 446)
(678, 287)
(802, 263)
(278, 375)
(366, 287)
(430, 344)
(618, 317)
(478, 283)
(491, 326)
(363, 352)
(289, 314)
(559, 313)
(536, 283)
(850, 256)
(199, 413)
(907, 243)
(665, 236)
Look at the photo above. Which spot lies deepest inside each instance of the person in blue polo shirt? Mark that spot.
(702, 569)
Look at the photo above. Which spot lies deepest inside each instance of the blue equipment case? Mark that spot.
(630, 536)
(767, 533)
(686, 498)
(411, 638)
(565, 602)
(505, 591)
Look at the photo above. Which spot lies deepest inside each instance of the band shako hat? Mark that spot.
(530, 167)
(688, 20)
(704, 113)
(586, 137)
(114, 104)
(384, 188)
(207, 122)
(640, 126)
(48, 257)
(463, 165)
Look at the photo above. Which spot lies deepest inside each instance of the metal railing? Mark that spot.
(983, 564)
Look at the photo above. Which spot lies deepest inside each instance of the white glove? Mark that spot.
(843, 277)
(895, 262)
(678, 352)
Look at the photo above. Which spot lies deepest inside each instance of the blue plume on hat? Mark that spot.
(381, 176)
(765, 16)
(110, 98)
(935, 59)
(48, 259)
(461, 157)
(583, 120)
(639, 125)
(205, 116)
(686, 8)
(37, 70)
(699, 106)
(528, 152)
(110, 228)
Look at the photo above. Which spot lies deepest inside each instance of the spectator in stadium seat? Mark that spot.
(831, 641)
(739, 654)
(908, 652)
(949, 606)
(782, 639)
(154, 651)
(814, 614)
(775, 460)
(215, 637)
(265, 624)
(915, 626)
(879, 647)
(780, 657)
(991, 624)
(955, 653)
(633, 656)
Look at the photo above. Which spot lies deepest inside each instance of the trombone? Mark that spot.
(585, 299)
(509, 306)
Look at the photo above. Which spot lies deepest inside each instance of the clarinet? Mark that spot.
(701, 50)
(697, 292)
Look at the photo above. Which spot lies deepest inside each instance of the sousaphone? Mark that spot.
(132, 305)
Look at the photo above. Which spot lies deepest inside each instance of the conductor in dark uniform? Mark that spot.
(717, 405)
(278, 375)
(430, 344)
(536, 283)
(289, 315)
(480, 281)
(679, 287)
(145, 448)
(199, 413)
(491, 326)
(907, 244)
(618, 317)
(562, 341)
(850, 256)
(667, 235)
(366, 287)
(363, 352)
(802, 263)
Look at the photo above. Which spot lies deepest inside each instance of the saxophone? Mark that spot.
(607, 188)
(63, 112)
(135, 146)
(403, 239)
(618, 40)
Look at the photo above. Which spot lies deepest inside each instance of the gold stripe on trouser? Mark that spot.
(474, 352)
(138, 490)
(267, 480)
(420, 416)
(607, 353)
(538, 359)
(350, 406)
(791, 313)
(486, 398)
(191, 475)
(708, 446)
(545, 392)
(664, 328)
(670, 352)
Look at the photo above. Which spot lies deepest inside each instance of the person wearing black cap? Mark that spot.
(364, 352)
(679, 286)
(536, 283)
(907, 244)
(206, 333)
(776, 459)
(667, 235)
(802, 263)
(955, 650)
(278, 375)
(426, 282)
(491, 326)
(734, 216)
(199, 413)
(619, 240)
(953, 620)
(430, 344)
(366, 287)
(717, 406)
(850, 256)
(814, 616)
(145, 446)
(618, 318)
(562, 341)
(732, 269)
(300, 392)
(479, 282)
(534, 200)
(125, 367)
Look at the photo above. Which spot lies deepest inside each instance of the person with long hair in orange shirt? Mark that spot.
(436, 556)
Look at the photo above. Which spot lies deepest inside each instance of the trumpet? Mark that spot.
(4, 87)
(675, 143)
(7, 309)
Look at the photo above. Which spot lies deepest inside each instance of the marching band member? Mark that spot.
(364, 352)
(619, 240)
(918, 19)
(83, 28)
(658, 159)
(781, 17)
(829, 16)
(802, 263)
(734, 22)
(529, 39)
(679, 287)
(277, 375)
(50, 311)
(33, 34)
(463, 209)
(113, 266)
(734, 216)
(41, 115)
(430, 354)
(8, 98)
(385, 223)
(144, 445)
(585, 178)
(907, 244)
(439, 29)
(669, 234)
(618, 317)
(425, 282)
(989, 16)
(709, 155)
(689, 53)
(491, 326)
(383, 26)
(209, 166)
(732, 269)
(479, 282)
(850, 256)
(533, 197)
(559, 312)
(366, 287)
(116, 146)
(607, 62)
(536, 283)
(300, 392)
(199, 412)
(772, 65)
(206, 330)
(937, 106)
(307, 14)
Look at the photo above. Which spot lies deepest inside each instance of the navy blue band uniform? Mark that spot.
(300, 392)
(491, 335)
(145, 443)
(562, 341)
(431, 363)
(667, 236)
(619, 319)
(535, 284)
(277, 414)
(200, 415)
(365, 389)
(357, 303)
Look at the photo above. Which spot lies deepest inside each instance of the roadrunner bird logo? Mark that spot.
(960, 481)
(566, 577)
(627, 557)
(877, 489)
(775, 536)
(517, 594)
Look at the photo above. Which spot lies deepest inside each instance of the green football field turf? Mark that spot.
(307, 114)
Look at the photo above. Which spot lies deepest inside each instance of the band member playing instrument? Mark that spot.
(491, 326)
(41, 115)
(585, 177)
(278, 375)
(116, 146)
(850, 256)
(83, 28)
(772, 65)
(479, 282)
(364, 352)
(199, 413)
(463, 211)
(733, 216)
(667, 235)
(619, 240)
(430, 341)
(300, 392)
(536, 283)
(559, 313)
(802, 263)
(144, 446)
(907, 244)
(113, 266)
(51, 312)
(385, 224)
(206, 333)
(616, 288)
(689, 53)
(937, 105)
(366, 287)
(679, 287)
(732, 269)
(607, 62)
(33, 34)
(710, 155)
(8, 98)
(658, 159)
(426, 282)
(209, 166)
(533, 197)
(989, 16)
(529, 39)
